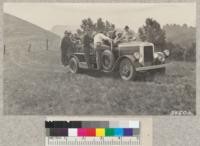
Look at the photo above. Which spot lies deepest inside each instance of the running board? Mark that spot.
(151, 67)
(84, 65)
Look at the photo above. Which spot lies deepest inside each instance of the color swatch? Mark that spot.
(92, 124)
(92, 128)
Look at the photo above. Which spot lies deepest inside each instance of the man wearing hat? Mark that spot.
(128, 34)
(66, 45)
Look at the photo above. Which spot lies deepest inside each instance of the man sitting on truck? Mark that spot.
(128, 34)
(100, 45)
(124, 36)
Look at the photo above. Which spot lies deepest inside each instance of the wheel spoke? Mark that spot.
(126, 69)
(73, 65)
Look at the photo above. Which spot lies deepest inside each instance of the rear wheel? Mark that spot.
(127, 70)
(73, 65)
(107, 59)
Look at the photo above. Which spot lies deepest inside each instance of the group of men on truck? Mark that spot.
(97, 42)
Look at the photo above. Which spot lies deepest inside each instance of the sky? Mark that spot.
(47, 15)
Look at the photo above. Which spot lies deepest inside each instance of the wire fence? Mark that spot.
(30, 46)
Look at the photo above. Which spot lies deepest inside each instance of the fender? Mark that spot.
(131, 57)
(74, 55)
(116, 64)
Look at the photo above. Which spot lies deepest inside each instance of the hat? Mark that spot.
(126, 27)
(67, 32)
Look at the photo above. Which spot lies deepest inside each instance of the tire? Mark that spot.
(127, 70)
(107, 59)
(73, 65)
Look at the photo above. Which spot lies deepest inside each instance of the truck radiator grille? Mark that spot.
(148, 55)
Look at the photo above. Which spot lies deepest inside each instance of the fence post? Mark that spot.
(47, 44)
(184, 54)
(29, 48)
(4, 49)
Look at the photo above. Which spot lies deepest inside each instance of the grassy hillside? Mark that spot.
(33, 89)
(20, 33)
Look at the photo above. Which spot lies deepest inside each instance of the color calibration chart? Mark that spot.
(92, 133)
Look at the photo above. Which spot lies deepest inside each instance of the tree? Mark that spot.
(180, 34)
(152, 32)
(100, 25)
(177, 52)
(79, 32)
(87, 23)
(191, 53)
(109, 26)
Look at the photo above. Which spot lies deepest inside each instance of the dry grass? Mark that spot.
(36, 83)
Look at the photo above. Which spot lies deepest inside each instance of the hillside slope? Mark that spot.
(18, 32)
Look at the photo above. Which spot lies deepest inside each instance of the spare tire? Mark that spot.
(107, 59)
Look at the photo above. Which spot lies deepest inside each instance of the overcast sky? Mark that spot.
(46, 15)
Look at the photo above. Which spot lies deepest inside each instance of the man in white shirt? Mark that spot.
(100, 46)
(99, 41)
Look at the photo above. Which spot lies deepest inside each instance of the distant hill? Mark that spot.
(182, 35)
(20, 33)
(60, 29)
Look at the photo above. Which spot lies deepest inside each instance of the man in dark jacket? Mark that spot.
(66, 46)
(87, 45)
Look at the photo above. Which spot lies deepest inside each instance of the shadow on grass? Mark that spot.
(99, 74)
(140, 76)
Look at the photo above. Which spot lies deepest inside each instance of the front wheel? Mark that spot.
(73, 65)
(127, 70)
(107, 59)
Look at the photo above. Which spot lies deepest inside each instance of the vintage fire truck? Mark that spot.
(127, 58)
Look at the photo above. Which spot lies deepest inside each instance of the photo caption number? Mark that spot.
(181, 113)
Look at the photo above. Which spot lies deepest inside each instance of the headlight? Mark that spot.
(161, 59)
(137, 55)
(166, 52)
(159, 56)
(155, 55)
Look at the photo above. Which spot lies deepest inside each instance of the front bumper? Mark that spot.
(146, 68)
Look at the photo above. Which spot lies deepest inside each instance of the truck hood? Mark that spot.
(134, 43)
